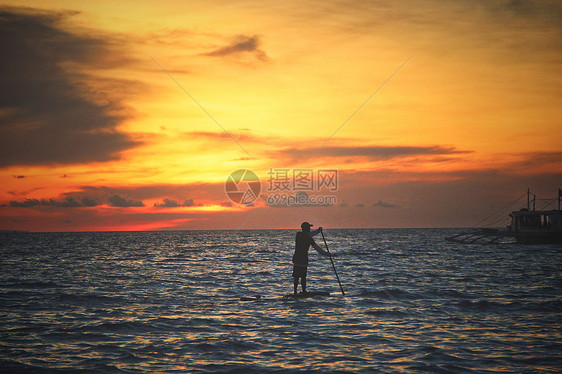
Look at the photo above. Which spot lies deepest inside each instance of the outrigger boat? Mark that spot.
(537, 226)
(528, 226)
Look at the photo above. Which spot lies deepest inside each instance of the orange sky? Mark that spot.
(123, 115)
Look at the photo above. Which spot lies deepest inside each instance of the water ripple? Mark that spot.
(170, 302)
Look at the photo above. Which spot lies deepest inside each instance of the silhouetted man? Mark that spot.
(300, 259)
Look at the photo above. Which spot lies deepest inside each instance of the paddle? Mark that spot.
(334, 266)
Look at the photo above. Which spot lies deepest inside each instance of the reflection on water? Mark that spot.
(170, 301)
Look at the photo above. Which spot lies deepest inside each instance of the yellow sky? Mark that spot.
(449, 89)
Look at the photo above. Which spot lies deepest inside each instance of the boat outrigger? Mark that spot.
(528, 226)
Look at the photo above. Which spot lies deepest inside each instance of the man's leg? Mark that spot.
(296, 284)
(303, 282)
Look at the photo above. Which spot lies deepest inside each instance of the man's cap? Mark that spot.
(305, 224)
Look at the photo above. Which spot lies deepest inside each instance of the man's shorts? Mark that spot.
(299, 271)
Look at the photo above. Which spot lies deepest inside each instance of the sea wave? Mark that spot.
(170, 302)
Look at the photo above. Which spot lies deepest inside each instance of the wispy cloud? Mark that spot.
(535, 160)
(371, 152)
(241, 136)
(241, 44)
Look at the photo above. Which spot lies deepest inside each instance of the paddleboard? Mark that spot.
(305, 295)
(286, 297)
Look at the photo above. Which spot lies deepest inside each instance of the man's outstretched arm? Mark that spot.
(320, 250)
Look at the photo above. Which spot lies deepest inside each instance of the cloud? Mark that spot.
(79, 199)
(382, 204)
(27, 203)
(549, 11)
(170, 203)
(46, 116)
(241, 43)
(370, 152)
(125, 197)
(67, 202)
(120, 202)
(223, 136)
(203, 191)
(536, 161)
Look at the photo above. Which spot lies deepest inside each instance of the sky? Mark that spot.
(172, 115)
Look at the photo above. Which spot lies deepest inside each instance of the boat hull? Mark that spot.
(539, 237)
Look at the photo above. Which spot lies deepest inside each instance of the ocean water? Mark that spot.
(136, 302)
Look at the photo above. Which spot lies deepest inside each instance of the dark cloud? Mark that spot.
(241, 43)
(371, 152)
(88, 197)
(170, 203)
(27, 203)
(87, 202)
(121, 202)
(45, 114)
(546, 11)
(67, 202)
(124, 197)
(534, 160)
(382, 204)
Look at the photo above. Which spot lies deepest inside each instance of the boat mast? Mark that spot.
(529, 193)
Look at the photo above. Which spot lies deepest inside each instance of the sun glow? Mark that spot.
(150, 106)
